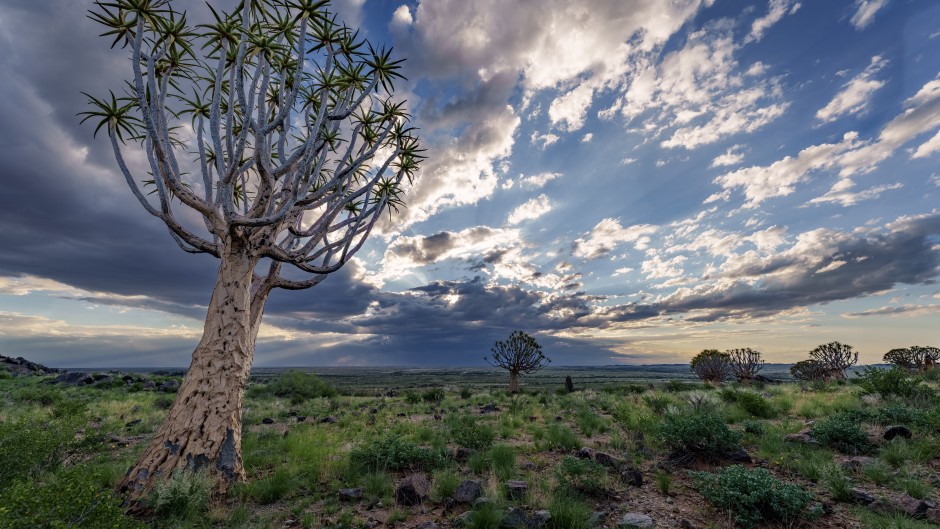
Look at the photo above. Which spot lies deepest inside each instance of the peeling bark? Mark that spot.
(513, 382)
(203, 429)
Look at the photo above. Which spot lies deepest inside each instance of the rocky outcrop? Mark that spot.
(20, 366)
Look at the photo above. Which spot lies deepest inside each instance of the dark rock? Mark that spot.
(135, 422)
(427, 525)
(803, 437)
(292, 414)
(897, 430)
(412, 490)
(515, 518)
(463, 454)
(633, 477)
(329, 420)
(857, 462)
(73, 378)
(100, 376)
(449, 504)
(685, 524)
(401, 414)
(468, 491)
(350, 494)
(437, 417)
(20, 366)
(532, 418)
(373, 411)
(607, 460)
(267, 420)
(933, 516)
(597, 517)
(301, 418)
(740, 456)
(539, 519)
(516, 489)
(861, 496)
(170, 386)
(463, 520)
(585, 453)
(489, 408)
(912, 506)
(150, 384)
(482, 500)
(635, 520)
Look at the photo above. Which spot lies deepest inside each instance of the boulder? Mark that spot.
(170, 386)
(489, 408)
(635, 520)
(539, 519)
(585, 453)
(897, 430)
(516, 489)
(267, 420)
(857, 462)
(861, 496)
(329, 420)
(413, 490)
(515, 518)
(468, 490)
(427, 525)
(912, 506)
(73, 378)
(632, 476)
(607, 460)
(740, 456)
(350, 494)
(804, 436)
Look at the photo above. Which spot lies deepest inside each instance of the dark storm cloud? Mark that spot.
(855, 265)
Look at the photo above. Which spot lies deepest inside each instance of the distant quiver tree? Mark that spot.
(901, 357)
(926, 357)
(745, 364)
(519, 354)
(275, 128)
(809, 370)
(711, 365)
(835, 357)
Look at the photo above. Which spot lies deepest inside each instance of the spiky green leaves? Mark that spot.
(114, 114)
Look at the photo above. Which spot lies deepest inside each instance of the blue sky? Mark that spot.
(630, 182)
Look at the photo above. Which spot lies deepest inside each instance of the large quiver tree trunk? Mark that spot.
(202, 430)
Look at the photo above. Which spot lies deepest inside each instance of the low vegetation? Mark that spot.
(826, 452)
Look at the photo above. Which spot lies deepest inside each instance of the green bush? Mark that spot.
(467, 431)
(568, 513)
(756, 405)
(580, 476)
(754, 427)
(433, 395)
(842, 432)
(69, 498)
(677, 386)
(896, 382)
(754, 496)
(44, 396)
(299, 387)
(702, 436)
(31, 445)
(392, 453)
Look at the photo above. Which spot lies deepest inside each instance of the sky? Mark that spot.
(628, 181)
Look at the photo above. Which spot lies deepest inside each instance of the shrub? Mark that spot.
(44, 396)
(676, 386)
(568, 513)
(412, 397)
(754, 496)
(270, 489)
(701, 436)
(184, 496)
(467, 431)
(393, 453)
(163, 402)
(560, 436)
(842, 432)
(580, 476)
(756, 405)
(466, 393)
(486, 516)
(433, 395)
(896, 382)
(68, 498)
(31, 445)
(299, 386)
(444, 484)
(503, 460)
(754, 427)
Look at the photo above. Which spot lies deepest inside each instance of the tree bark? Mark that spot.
(513, 382)
(203, 428)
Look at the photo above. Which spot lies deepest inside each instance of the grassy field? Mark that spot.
(631, 443)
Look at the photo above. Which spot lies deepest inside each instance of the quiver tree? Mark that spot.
(809, 370)
(745, 364)
(925, 357)
(520, 354)
(835, 357)
(711, 365)
(276, 129)
(902, 357)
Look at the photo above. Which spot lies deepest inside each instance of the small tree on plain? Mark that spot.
(272, 141)
(925, 358)
(745, 364)
(711, 365)
(520, 354)
(809, 370)
(902, 357)
(836, 357)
